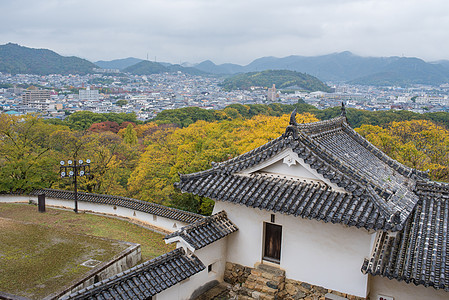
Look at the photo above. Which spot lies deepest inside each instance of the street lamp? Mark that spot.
(72, 169)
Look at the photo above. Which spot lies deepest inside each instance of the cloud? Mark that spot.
(227, 30)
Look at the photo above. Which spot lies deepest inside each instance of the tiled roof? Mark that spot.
(333, 149)
(144, 280)
(206, 231)
(143, 206)
(289, 196)
(419, 253)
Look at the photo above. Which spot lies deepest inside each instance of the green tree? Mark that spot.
(130, 135)
(121, 102)
(27, 160)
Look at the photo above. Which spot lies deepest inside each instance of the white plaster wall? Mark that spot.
(296, 170)
(328, 255)
(288, 163)
(162, 222)
(215, 254)
(400, 290)
(16, 199)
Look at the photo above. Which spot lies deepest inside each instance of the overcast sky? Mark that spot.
(235, 31)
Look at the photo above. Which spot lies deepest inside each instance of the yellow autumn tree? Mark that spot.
(418, 144)
(192, 149)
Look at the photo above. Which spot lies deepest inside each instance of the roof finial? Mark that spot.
(343, 110)
(293, 117)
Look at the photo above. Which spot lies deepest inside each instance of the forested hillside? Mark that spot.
(139, 160)
(15, 59)
(281, 78)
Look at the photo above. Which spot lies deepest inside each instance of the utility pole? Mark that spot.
(72, 169)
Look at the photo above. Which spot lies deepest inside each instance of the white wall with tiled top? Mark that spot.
(323, 254)
(113, 210)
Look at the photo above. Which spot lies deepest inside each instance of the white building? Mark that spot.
(88, 95)
(317, 213)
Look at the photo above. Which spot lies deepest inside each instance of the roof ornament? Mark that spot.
(343, 110)
(293, 118)
(396, 217)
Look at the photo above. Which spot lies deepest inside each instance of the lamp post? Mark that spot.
(72, 169)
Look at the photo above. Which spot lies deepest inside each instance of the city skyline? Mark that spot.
(228, 32)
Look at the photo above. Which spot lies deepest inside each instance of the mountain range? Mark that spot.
(346, 67)
(336, 67)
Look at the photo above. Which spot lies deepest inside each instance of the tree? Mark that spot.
(419, 144)
(130, 135)
(121, 102)
(192, 149)
(105, 126)
(27, 160)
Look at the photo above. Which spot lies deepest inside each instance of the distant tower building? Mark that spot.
(88, 95)
(35, 95)
(272, 94)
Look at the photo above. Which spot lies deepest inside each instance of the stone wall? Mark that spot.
(236, 274)
(269, 283)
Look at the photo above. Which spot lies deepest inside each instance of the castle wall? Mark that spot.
(159, 223)
(322, 254)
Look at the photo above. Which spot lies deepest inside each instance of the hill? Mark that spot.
(209, 67)
(346, 67)
(146, 67)
(16, 59)
(118, 63)
(281, 78)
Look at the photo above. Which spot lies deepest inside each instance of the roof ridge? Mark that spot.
(433, 186)
(322, 126)
(134, 271)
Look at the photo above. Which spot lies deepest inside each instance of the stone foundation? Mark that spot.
(269, 283)
(236, 274)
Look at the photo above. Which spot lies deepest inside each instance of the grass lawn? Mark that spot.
(41, 252)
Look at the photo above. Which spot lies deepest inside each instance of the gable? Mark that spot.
(288, 164)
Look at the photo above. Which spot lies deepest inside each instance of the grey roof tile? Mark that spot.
(145, 280)
(293, 197)
(419, 253)
(206, 231)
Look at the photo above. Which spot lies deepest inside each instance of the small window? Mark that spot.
(154, 218)
(273, 220)
(211, 269)
(134, 214)
(174, 225)
(272, 243)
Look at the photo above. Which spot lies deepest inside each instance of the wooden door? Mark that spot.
(272, 243)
